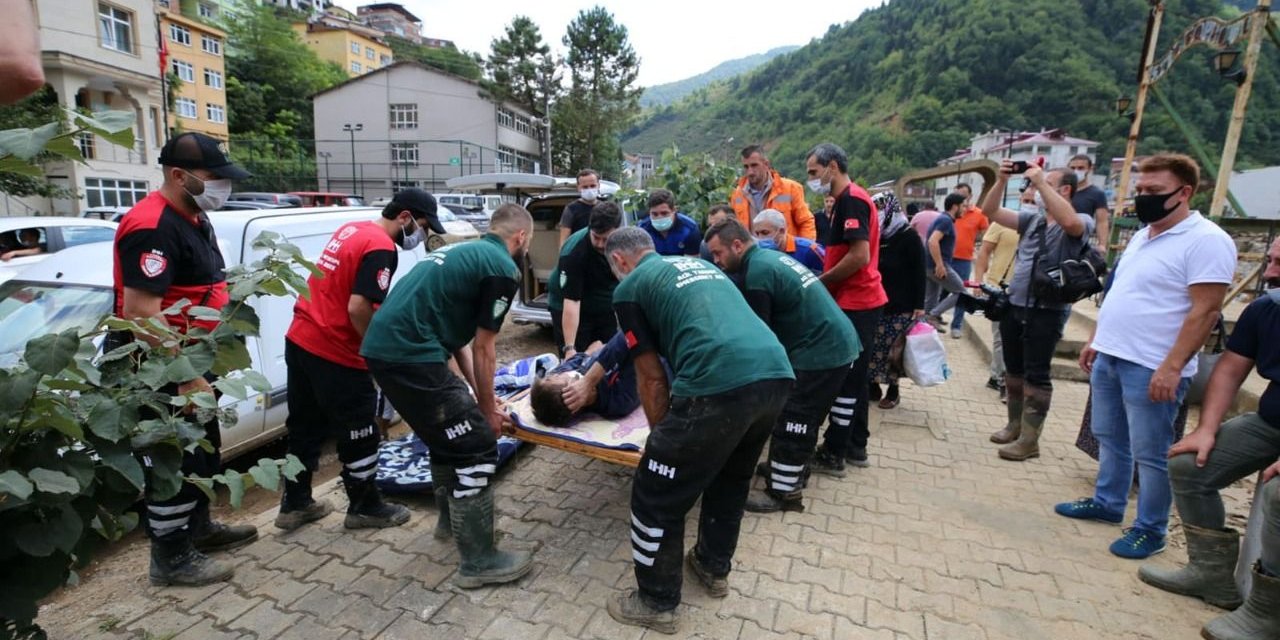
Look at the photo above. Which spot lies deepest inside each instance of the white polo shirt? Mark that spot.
(1149, 299)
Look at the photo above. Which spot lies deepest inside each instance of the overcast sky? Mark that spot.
(675, 39)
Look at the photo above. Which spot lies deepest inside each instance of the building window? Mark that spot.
(213, 79)
(404, 153)
(400, 185)
(355, 47)
(355, 67)
(184, 70)
(205, 10)
(522, 125)
(87, 144)
(506, 118)
(370, 54)
(180, 34)
(106, 192)
(385, 60)
(186, 108)
(211, 45)
(215, 113)
(404, 116)
(115, 28)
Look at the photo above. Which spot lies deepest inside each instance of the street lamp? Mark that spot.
(1123, 103)
(1224, 60)
(327, 177)
(352, 129)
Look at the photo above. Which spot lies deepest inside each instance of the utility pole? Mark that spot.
(1257, 22)
(1144, 85)
(328, 178)
(352, 129)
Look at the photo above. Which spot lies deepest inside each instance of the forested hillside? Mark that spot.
(911, 81)
(664, 94)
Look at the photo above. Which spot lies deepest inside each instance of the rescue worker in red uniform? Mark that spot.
(330, 391)
(165, 251)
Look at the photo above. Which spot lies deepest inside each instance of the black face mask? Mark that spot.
(1150, 207)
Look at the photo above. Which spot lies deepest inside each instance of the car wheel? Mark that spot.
(435, 242)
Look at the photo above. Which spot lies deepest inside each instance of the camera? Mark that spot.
(993, 305)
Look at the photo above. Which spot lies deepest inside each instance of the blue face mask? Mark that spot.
(663, 224)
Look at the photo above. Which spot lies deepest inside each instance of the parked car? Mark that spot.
(110, 214)
(72, 288)
(55, 233)
(545, 197)
(479, 218)
(457, 230)
(465, 200)
(327, 199)
(248, 205)
(285, 199)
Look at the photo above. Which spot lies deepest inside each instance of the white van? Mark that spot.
(71, 288)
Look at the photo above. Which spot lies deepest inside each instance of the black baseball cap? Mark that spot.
(418, 202)
(197, 151)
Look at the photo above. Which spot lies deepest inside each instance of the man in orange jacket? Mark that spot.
(763, 188)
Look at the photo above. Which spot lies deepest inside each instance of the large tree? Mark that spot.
(602, 99)
(521, 68)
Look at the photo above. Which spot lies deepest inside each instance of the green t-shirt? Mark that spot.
(793, 302)
(437, 307)
(555, 301)
(691, 314)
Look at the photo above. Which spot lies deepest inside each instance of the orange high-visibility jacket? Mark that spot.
(784, 195)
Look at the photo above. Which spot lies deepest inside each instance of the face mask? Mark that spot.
(1039, 201)
(1080, 176)
(589, 195)
(816, 185)
(409, 241)
(663, 224)
(1029, 208)
(214, 196)
(1151, 207)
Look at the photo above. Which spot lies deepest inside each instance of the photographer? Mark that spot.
(1032, 327)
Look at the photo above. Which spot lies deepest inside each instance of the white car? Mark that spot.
(52, 234)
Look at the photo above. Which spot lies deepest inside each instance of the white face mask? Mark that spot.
(408, 241)
(589, 195)
(817, 186)
(1030, 208)
(215, 193)
(1080, 176)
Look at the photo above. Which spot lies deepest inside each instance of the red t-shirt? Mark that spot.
(170, 254)
(853, 218)
(359, 259)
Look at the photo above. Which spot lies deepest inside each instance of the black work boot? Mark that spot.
(367, 510)
(770, 501)
(208, 536)
(482, 562)
(442, 477)
(628, 607)
(297, 507)
(827, 463)
(176, 562)
(717, 586)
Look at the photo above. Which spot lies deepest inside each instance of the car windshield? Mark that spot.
(31, 309)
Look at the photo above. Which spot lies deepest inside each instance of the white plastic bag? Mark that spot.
(925, 357)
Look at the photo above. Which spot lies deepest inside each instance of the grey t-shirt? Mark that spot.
(1029, 230)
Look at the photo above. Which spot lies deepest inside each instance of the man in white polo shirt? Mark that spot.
(1164, 302)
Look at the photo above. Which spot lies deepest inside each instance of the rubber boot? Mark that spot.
(297, 507)
(442, 478)
(176, 562)
(770, 501)
(1013, 428)
(1257, 619)
(367, 510)
(1210, 571)
(1034, 410)
(208, 536)
(482, 563)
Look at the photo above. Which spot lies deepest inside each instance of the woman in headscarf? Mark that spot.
(902, 274)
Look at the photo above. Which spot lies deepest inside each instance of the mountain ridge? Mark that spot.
(661, 95)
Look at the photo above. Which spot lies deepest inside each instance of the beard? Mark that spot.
(1272, 283)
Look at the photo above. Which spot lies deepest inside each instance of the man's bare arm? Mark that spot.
(858, 257)
(651, 382)
(360, 311)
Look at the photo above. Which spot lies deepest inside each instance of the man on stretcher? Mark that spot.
(602, 381)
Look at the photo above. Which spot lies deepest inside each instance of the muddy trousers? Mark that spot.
(328, 400)
(705, 446)
(796, 432)
(172, 521)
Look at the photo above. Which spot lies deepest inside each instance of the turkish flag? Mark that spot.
(164, 57)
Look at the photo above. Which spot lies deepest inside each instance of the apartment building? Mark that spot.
(193, 50)
(340, 39)
(392, 19)
(1055, 146)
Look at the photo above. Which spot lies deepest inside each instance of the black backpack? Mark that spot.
(1066, 279)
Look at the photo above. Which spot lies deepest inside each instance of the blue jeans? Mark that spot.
(1130, 427)
(963, 268)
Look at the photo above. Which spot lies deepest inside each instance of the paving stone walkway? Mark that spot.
(938, 539)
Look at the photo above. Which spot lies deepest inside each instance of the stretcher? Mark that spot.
(614, 441)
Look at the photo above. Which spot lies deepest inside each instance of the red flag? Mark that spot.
(164, 56)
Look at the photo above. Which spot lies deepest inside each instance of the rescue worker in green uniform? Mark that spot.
(708, 425)
(586, 284)
(819, 340)
(459, 293)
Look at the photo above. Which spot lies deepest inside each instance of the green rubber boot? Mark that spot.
(1035, 409)
(1210, 571)
(1257, 619)
(482, 562)
(1013, 428)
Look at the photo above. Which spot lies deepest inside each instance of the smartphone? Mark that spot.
(1020, 166)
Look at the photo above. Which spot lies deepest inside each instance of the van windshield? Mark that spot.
(29, 310)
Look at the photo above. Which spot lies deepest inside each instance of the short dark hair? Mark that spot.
(1181, 166)
(546, 399)
(728, 230)
(953, 200)
(965, 186)
(1066, 177)
(661, 196)
(912, 209)
(1081, 156)
(605, 216)
(826, 152)
(717, 208)
(588, 172)
(753, 148)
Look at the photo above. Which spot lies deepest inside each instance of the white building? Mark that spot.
(1054, 145)
(102, 55)
(310, 6)
(408, 125)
